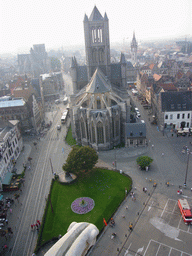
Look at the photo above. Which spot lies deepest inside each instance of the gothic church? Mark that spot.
(100, 105)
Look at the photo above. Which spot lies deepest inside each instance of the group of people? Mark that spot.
(112, 223)
(36, 226)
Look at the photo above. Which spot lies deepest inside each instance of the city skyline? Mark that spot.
(59, 23)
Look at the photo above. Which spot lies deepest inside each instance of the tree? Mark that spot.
(80, 159)
(144, 161)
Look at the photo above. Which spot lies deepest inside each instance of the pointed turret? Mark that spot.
(105, 16)
(95, 15)
(122, 59)
(85, 18)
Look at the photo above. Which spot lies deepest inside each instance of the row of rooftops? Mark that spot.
(7, 102)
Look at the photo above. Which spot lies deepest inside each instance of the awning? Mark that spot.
(7, 178)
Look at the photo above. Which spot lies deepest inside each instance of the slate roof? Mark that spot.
(98, 83)
(82, 73)
(176, 101)
(95, 15)
(115, 70)
(135, 130)
(129, 64)
(12, 103)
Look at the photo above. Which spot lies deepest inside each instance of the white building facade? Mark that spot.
(11, 144)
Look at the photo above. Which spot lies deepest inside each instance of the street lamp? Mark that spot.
(188, 153)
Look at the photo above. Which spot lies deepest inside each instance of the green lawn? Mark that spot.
(106, 188)
(69, 138)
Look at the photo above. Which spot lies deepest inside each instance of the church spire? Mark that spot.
(95, 15)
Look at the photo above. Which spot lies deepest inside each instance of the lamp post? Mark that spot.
(115, 160)
(188, 153)
(186, 172)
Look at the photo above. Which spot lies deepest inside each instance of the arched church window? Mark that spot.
(100, 135)
(100, 35)
(107, 132)
(116, 127)
(94, 35)
(98, 103)
(94, 53)
(82, 123)
(101, 56)
(93, 132)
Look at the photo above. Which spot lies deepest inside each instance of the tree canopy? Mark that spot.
(80, 159)
(144, 161)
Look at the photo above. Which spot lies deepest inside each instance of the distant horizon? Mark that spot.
(59, 24)
(74, 47)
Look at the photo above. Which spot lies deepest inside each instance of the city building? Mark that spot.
(35, 63)
(15, 109)
(134, 49)
(11, 144)
(100, 106)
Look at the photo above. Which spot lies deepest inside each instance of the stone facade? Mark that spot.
(100, 106)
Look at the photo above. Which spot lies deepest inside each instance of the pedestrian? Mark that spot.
(123, 216)
(131, 227)
(6, 221)
(162, 154)
(29, 168)
(5, 247)
(31, 226)
(39, 223)
(152, 146)
(191, 189)
(126, 207)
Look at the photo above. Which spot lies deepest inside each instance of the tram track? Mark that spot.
(34, 205)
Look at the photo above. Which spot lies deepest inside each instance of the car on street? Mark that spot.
(58, 127)
(136, 109)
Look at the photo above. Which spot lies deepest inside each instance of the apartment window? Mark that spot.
(183, 116)
(187, 124)
(188, 116)
(184, 106)
(166, 116)
(178, 116)
(171, 116)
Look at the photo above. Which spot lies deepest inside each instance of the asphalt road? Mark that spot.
(30, 207)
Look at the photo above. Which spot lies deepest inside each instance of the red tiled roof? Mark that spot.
(168, 87)
(152, 66)
(156, 77)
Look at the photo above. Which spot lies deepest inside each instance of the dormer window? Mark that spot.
(172, 106)
(179, 106)
(184, 106)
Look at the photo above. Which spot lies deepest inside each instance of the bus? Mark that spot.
(185, 210)
(64, 116)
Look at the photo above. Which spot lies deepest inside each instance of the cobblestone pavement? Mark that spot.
(169, 166)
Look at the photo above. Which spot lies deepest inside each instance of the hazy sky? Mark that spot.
(60, 22)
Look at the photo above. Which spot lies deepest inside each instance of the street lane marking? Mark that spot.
(150, 206)
(161, 244)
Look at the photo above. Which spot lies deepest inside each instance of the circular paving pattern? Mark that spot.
(82, 205)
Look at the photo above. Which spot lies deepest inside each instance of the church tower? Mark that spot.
(97, 48)
(134, 49)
